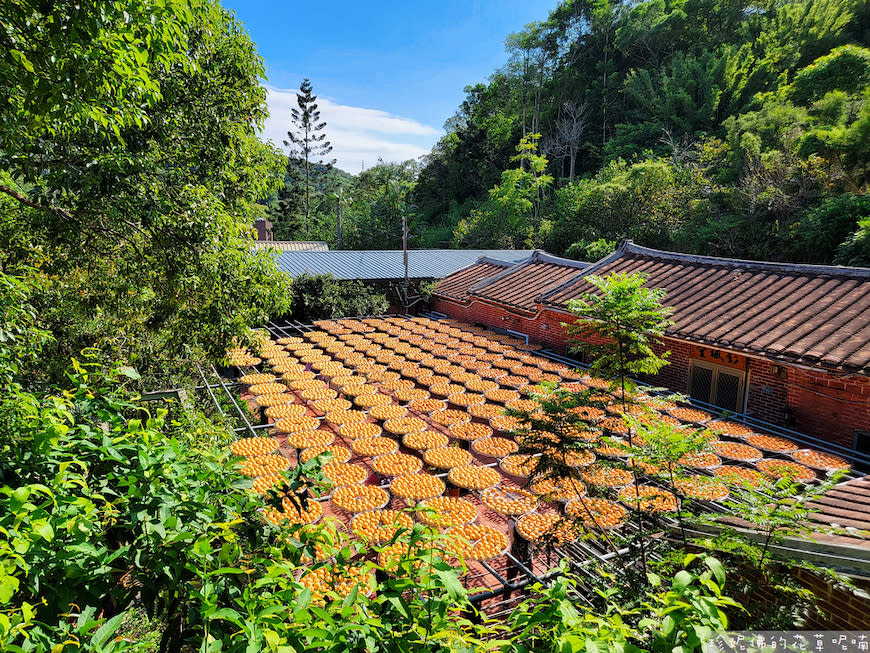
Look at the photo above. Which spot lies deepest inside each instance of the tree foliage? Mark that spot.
(372, 205)
(510, 218)
(618, 324)
(325, 297)
(705, 126)
(127, 193)
(307, 142)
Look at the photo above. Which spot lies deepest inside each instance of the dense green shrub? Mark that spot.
(318, 297)
(104, 508)
(103, 503)
(128, 200)
(819, 232)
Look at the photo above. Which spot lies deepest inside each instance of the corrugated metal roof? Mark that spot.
(815, 314)
(387, 264)
(293, 245)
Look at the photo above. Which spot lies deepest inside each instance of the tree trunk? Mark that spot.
(539, 89)
(525, 93)
(307, 192)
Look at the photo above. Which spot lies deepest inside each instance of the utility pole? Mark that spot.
(407, 281)
(338, 216)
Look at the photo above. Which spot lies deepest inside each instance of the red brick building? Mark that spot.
(788, 344)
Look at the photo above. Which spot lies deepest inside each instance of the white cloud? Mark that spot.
(357, 134)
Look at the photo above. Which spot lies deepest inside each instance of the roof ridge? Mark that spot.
(483, 283)
(546, 257)
(615, 254)
(538, 256)
(629, 247)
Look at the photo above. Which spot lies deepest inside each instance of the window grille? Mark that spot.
(718, 385)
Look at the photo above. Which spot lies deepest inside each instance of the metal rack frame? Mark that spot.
(580, 554)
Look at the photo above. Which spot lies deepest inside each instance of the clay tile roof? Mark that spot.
(846, 505)
(456, 285)
(521, 286)
(813, 314)
(842, 517)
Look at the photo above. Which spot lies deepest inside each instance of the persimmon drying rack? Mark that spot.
(502, 581)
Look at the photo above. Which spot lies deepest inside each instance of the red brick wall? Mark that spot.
(823, 405)
(838, 608)
(544, 327)
(675, 375)
(768, 391)
(829, 406)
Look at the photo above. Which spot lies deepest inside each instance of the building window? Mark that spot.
(717, 384)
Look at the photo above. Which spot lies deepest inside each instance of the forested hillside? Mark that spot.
(721, 127)
(371, 203)
(710, 126)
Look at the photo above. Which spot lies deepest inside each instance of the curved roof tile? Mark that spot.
(816, 314)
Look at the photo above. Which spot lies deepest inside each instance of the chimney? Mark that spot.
(264, 229)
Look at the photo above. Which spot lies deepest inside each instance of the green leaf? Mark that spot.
(8, 586)
(129, 372)
(451, 583)
(106, 631)
(668, 625)
(717, 569)
(44, 529)
(19, 498)
(228, 614)
(272, 638)
(682, 579)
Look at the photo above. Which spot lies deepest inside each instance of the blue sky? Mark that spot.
(388, 74)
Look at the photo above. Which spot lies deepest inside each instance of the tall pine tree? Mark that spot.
(307, 142)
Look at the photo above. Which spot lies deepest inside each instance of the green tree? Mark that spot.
(619, 324)
(380, 197)
(779, 84)
(819, 233)
(512, 215)
(584, 250)
(134, 190)
(286, 208)
(679, 99)
(653, 201)
(325, 297)
(306, 142)
(855, 250)
(846, 68)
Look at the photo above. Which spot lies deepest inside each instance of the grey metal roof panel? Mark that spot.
(387, 264)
